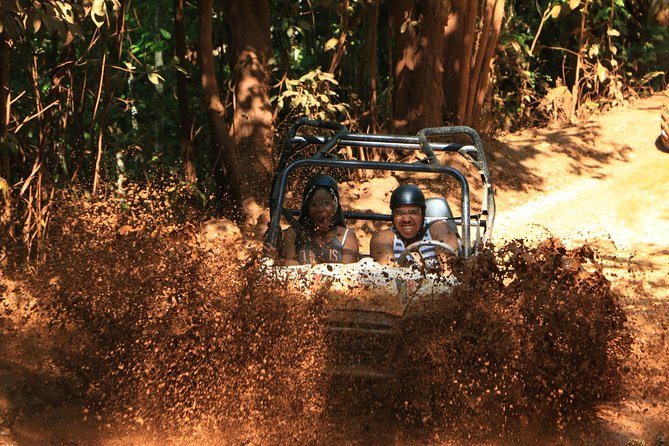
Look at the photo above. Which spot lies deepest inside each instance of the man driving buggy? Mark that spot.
(408, 205)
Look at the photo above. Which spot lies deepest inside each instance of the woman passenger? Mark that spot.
(321, 235)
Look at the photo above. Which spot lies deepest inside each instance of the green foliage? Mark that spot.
(66, 110)
(312, 95)
(538, 51)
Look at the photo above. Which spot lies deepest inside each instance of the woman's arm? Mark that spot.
(351, 248)
(288, 251)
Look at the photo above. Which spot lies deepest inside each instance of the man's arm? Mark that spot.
(442, 232)
(381, 247)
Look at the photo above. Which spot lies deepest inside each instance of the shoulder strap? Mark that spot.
(343, 239)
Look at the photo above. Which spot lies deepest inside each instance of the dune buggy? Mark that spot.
(367, 301)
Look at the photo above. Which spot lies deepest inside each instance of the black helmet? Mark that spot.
(320, 180)
(407, 194)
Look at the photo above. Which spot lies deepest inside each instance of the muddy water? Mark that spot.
(160, 330)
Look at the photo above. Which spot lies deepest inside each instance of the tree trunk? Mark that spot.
(468, 60)
(252, 129)
(373, 104)
(227, 174)
(470, 11)
(427, 108)
(185, 134)
(4, 108)
(419, 68)
(341, 42)
(478, 84)
(405, 60)
(454, 35)
(105, 89)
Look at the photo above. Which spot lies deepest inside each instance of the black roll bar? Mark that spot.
(279, 187)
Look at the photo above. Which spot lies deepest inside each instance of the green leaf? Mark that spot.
(650, 76)
(594, 50)
(98, 20)
(4, 187)
(165, 33)
(340, 108)
(155, 78)
(99, 7)
(555, 12)
(309, 76)
(602, 72)
(37, 22)
(65, 12)
(330, 44)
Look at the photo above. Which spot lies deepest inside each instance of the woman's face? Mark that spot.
(321, 210)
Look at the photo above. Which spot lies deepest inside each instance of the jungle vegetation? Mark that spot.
(95, 94)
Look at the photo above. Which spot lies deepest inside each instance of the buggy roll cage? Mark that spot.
(326, 156)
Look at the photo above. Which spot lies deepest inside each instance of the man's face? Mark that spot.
(408, 220)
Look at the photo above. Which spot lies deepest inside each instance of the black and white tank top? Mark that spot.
(331, 251)
(428, 253)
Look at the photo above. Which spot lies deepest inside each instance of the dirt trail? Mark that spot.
(621, 207)
(601, 182)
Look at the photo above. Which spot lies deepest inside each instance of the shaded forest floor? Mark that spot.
(601, 182)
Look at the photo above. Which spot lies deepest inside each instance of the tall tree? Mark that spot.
(443, 53)
(471, 38)
(404, 33)
(491, 24)
(252, 129)
(419, 62)
(4, 107)
(185, 124)
(227, 172)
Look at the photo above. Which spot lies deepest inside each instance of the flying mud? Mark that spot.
(152, 326)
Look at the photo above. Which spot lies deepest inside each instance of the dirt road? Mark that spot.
(602, 182)
(605, 182)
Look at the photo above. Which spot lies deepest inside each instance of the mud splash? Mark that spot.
(162, 329)
(533, 339)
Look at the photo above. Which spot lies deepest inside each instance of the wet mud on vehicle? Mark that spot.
(366, 301)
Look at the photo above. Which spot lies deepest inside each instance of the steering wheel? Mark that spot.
(415, 247)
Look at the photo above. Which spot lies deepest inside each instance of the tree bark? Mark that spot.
(470, 12)
(419, 65)
(252, 129)
(4, 107)
(576, 88)
(428, 103)
(224, 151)
(488, 52)
(373, 37)
(405, 60)
(454, 35)
(185, 134)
